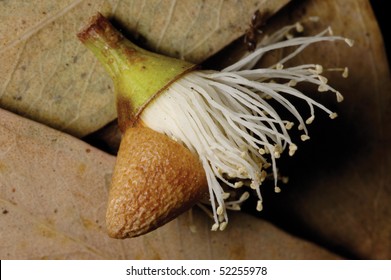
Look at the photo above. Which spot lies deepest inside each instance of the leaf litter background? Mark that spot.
(53, 186)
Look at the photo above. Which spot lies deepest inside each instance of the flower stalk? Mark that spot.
(225, 118)
(138, 75)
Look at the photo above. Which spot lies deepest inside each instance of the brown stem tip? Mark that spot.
(98, 24)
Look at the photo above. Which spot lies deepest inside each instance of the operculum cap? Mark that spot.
(138, 75)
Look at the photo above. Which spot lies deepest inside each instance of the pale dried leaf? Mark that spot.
(48, 76)
(192, 30)
(45, 74)
(51, 185)
(53, 196)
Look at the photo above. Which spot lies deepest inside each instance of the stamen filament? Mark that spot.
(226, 118)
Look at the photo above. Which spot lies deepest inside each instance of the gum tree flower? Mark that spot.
(228, 121)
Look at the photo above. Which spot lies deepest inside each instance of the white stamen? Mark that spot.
(259, 206)
(292, 83)
(244, 196)
(318, 69)
(310, 119)
(227, 195)
(220, 210)
(345, 72)
(289, 125)
(339, 96)
(299, 27)
(292, 149)
(288, 36)
(322, 79)
(226, 118)
(323, 88)
(350, 42)
(262, 151)
(223, 225)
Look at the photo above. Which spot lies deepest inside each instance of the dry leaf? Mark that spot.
(339, 190)
(53, 187)
(48, 76)
(53, 196)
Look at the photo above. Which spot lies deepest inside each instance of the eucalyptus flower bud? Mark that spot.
(227, 121)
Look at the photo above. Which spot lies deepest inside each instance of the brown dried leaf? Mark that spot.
(340, 184)
(48, 76)
(53, 196)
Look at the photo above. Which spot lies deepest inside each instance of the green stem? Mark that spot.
(138, 75)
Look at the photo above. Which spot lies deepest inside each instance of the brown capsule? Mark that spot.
(155, 179)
